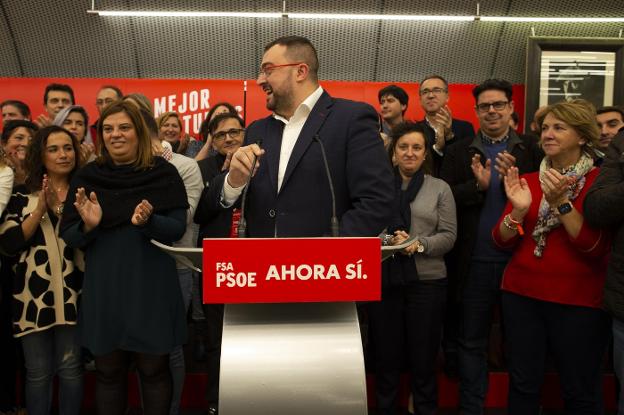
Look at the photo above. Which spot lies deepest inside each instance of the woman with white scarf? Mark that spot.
(552, 286)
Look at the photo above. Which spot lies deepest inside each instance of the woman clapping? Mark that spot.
(132, 305)
(552, 286)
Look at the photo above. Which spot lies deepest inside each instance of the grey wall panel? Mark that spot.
(8, 54)
(460, 51)
(442, 7)
(199, 48)
(58, 39)
(567, 8)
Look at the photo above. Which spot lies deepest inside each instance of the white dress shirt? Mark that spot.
(292, 129)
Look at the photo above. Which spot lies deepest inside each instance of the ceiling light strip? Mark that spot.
(379, 17)
(182, 14)
(518, 19)
(330, 16)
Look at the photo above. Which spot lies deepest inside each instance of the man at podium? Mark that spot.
(290, 193)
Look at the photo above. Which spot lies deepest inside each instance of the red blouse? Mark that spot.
(571, 271)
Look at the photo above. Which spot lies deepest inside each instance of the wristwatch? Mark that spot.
(420, 248)
(564, 208)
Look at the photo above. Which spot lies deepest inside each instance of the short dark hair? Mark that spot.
(21, 106)
(58, 87)
(114, 88)
(496, 84)
(408, 127)
(212, 126)
(396, 91)
(10, 126)
(203, 128)
(603, 110)
(299, 49)
(34, 156)
(434, 76)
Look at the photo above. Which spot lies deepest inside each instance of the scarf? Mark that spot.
(400, 269)
(546, 217)
(120, 189)
(402, 216)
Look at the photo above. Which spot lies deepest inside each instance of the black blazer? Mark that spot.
(461, 130)
(457, 173)
(361, 173)
(214, 221)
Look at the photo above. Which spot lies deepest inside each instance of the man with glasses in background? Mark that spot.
(474, 169)
(105, 96)
(441, 128)
(227, 132)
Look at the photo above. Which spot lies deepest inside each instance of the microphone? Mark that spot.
(242, 223)
(335, 225)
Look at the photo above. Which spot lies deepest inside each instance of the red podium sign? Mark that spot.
(291, 270)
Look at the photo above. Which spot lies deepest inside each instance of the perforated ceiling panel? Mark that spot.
(10, 63)
(60, 39)
(57, 38)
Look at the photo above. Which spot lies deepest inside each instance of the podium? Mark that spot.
(292, 345)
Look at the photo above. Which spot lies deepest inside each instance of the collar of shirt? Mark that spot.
(489, 140)
(304, 109)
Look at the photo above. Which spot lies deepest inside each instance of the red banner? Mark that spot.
(193, 98)
(291, 270)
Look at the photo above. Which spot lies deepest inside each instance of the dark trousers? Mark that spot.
(214, 332)
(480, 294)
(408, 316)
(577, 338)
(111, 388)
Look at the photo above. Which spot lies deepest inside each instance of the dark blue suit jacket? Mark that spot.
(361, 173)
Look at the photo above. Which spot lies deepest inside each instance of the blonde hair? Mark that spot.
(141, 100)
(580, 115)
(165, 116)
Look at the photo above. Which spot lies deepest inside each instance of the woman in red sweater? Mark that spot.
(552, 286)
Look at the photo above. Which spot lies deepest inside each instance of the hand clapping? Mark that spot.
(481, 173)
(555, 187)
(142, 213)
(518, 193)
(88, 208)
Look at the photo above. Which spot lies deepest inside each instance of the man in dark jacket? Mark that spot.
(228, 132)
(441, 129)
(603, 208)
(474, 170)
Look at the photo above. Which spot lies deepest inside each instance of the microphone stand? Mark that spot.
(335, 225)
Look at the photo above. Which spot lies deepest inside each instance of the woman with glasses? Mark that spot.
(553, 283)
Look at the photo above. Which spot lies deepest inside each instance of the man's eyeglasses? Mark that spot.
(104, 101)
(234, 133)
(267, 70)
(498, 106)
(434, 91)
